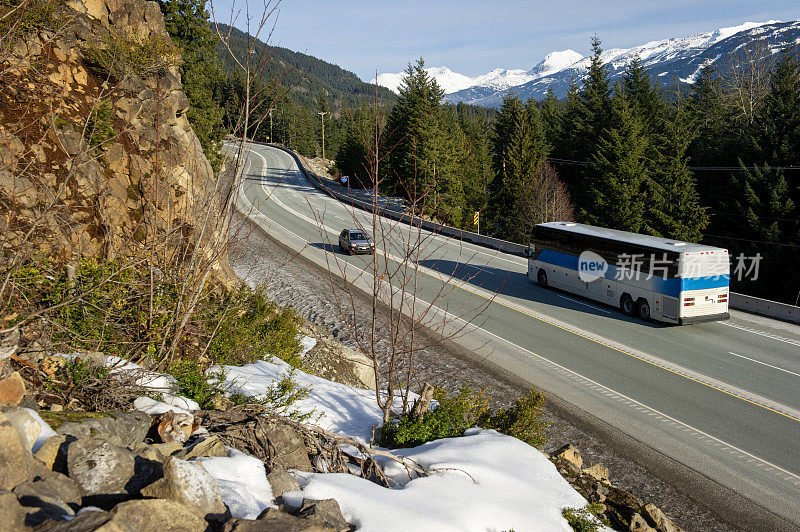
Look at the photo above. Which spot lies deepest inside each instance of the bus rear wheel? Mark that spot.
(626, 305)
(541, 278)
(643, 309)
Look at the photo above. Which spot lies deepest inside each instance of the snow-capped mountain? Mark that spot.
(675, 60)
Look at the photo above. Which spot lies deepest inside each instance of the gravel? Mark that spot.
(291, 280)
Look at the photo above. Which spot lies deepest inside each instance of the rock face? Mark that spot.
(93, 118)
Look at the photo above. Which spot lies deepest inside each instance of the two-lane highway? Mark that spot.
(719, 398)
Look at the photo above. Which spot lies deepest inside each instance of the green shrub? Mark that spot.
(195, 383)
(583, 519)
(101, 126)
(450, 418)
(279, 398)
(520, 420)
(251, 327)
(120, 56)
(466, 409)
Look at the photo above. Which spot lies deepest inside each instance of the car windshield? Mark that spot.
(358, 236)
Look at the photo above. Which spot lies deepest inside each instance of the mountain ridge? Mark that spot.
(672, 60)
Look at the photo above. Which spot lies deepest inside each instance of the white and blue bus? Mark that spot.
(652, 277)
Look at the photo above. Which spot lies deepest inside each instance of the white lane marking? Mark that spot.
(584, 304)
(761, 333)
(764, 363)
(622, 398)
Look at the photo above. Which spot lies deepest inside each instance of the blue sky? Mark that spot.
(473, 37)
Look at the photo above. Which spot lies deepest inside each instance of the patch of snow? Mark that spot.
(242, 482)
(342, 409)
(152, 407)
(555, 62)
(308, 344)
(481, 481)
(724, 33)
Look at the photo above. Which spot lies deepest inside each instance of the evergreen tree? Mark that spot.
(411, 131)
(521, 148)
(620, 173)
(674, 209)
(779, 132)
(552, 118)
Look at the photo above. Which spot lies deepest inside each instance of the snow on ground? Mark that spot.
(482, 481)
(243, 482)
(342, 409)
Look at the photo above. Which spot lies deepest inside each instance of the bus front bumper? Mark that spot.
(702, 319)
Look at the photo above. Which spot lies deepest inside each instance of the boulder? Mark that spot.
(87, 520)
(50, 484)
(26, 424)
(100, 467)
(16, 461)
(272, 520)
(129, 427)
(12, 514)
(41, 508)
(281, 481)
(325, 513)
(189, 484)
(289, 445)
(569, 454)
(12, 390)
(174, 427)
(656, 518)
(598, 472)
(154, 514)
(208, 446)
(53, 452)
(638, 524)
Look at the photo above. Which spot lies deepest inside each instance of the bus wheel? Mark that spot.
(626, 305)
(541, 278)
(643, 308)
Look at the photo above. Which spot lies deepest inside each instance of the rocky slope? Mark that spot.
(97, 157)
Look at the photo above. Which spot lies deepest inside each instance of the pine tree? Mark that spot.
(552, 118)
(620, 173)
(674, 209)
(779, 134)
(411, 130)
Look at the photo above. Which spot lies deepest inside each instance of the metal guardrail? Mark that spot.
(753, 305)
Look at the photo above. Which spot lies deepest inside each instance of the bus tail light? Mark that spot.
(723, 298)
(688, 301)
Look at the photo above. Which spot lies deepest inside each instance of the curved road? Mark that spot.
(719, 398)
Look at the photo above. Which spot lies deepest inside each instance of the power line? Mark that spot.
(694, 168)
(753, 241)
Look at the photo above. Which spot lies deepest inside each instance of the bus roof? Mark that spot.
(656, 242)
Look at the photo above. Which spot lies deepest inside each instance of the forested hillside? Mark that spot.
(716, 165)
(719, 165)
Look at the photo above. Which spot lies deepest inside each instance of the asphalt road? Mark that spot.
(721, 398)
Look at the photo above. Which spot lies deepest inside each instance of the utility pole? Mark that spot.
(322, 117)
(270, 126)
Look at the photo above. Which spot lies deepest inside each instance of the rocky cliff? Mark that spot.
(97, 157)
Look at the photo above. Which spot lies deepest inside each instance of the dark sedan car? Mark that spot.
(355, 241)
